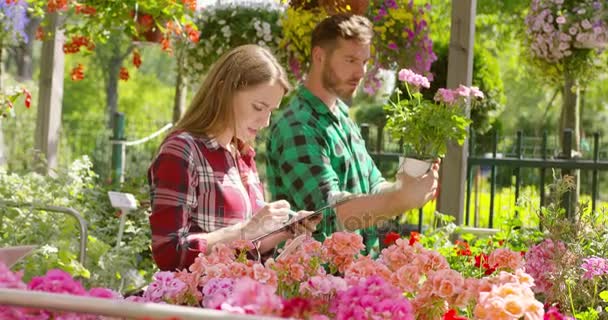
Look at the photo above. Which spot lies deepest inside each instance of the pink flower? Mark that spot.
(594, 267)
(323, 285)
(560, 20)
(57, 281)
(216, 291)
(342, 248)
(104, 293)
(164, 286)
(253, 298)
(242, 245)
(365, 267)
(410, 77)
(264, 275)
(372, 299)
(446, 96)
(9, 279)
(504, 258)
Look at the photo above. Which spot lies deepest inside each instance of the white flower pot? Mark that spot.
(414, 167)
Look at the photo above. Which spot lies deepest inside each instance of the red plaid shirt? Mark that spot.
(197, 187)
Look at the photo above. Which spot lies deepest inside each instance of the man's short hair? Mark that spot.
(345, 26)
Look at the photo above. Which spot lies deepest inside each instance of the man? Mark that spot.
(316, 154)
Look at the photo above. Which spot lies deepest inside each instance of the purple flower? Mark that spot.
(391, 4)
(14, 20)
(164, 286)
(393, 46)
(216, 291)
(594, 267)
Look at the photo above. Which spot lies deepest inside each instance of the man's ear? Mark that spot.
(318, 55)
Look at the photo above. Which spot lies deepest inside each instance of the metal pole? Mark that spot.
(81, 222)
(118, 149)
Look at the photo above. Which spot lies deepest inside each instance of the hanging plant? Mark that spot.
(92, 22)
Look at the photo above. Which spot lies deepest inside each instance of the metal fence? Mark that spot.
(539, 155)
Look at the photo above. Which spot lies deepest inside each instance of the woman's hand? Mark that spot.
(271, 217)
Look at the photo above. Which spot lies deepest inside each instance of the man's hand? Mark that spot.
(416, 192)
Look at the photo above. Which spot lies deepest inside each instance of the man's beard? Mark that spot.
(332, 84)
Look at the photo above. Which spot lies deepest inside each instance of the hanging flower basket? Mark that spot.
(146, 27)
(336, 6)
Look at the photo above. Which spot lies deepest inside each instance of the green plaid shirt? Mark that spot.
(313, 152)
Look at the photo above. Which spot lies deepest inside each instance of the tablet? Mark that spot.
(290, 223)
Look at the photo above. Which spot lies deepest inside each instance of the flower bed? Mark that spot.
(517, 274)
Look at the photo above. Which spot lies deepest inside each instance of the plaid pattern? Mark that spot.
(197, 187)
(314, 153)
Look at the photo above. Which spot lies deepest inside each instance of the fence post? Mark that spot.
(567, 155)
(118, 149)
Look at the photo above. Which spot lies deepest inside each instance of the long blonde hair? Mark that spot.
(245, 66)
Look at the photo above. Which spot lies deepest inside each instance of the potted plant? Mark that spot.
(425, 127)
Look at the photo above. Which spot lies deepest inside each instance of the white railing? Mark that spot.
(112, 308)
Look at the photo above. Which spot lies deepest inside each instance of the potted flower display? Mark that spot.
(425, 127)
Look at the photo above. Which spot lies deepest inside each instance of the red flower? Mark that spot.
(84, 9)
(414, 237)
(453, 315)
(39, 33)
(166, 45)
(78, 73)
(462, 248)
(55, 5)
(28, 98)
(124, 74)
(193, 34)
(390, 238)
(190, 4)
(481, 261)
(136, 59)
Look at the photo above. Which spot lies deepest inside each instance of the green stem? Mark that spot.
(570, 298)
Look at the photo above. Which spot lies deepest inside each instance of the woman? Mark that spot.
(204, 184)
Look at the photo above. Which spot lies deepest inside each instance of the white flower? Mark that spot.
(222, 22)
(267, 38)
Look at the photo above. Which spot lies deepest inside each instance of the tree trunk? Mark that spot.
(570, 119)
(24, 52)
(181, 89)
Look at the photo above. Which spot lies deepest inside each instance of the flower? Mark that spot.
(252, 297)
(372, 298)
(426, 126)
(226, 26)
(390, 238)
(216, 291)
(164, 287)
(542, 262)
(13, 22)
(594, 267)
(564, 36)
(504, 258)
(402, 35)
